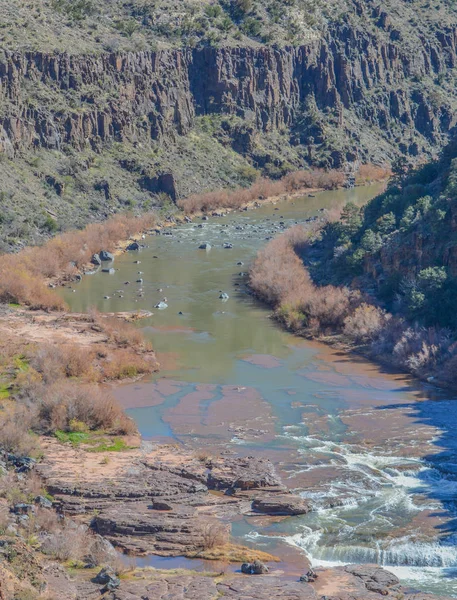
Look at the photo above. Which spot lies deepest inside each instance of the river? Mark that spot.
(374, 451)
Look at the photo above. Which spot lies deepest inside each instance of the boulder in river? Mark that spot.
(228, 246)
(205, 246)
(133, 246)
(106, 256)
(308, 576)
(95, 260)
(254, 568)
(224, 296)
(111, 271)
(161, 305)
(281, 504)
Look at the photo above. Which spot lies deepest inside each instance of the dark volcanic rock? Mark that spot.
(107, 577)
(133, 246)
(254, 568)
(106, 256)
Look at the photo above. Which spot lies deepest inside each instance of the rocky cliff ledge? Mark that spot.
(83, 135)
(370, 86)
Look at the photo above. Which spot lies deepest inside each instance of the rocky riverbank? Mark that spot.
(162, 500)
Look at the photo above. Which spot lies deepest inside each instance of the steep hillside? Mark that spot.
(107, 106)
(402, 247)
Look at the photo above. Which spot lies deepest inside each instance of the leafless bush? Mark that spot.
(120, 332)
(279, 277)
(15, 436)
(69, 541)
(124, 363)
(214, 535)
(64, 403)
(4, 518)
(261, 189)
(365, 323)
(57, 361)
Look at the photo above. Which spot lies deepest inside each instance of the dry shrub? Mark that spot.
(370, 172)
(48, 521)
(68, 541)
(64, 403)
(365, 323)
(15, 436)
(4, 518)
(261, 189)
(214, 535)
(277, 273)
(22, 275)
(119, 331)
(421, 350)
(126, 363)
(19, 285)
(279, 277)
(55, 362)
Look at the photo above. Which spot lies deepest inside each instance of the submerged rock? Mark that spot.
(133, 246)
(281, 504)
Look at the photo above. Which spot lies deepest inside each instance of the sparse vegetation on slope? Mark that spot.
(306, 303)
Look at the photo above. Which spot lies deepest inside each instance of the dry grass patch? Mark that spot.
(234, 553)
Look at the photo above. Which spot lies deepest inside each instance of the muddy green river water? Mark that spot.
(374, 452)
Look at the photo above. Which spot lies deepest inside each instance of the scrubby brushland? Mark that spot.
(50, 383)
(24, 276)
(114, 106)
(52, 367)
(383, 276)
(263, 189)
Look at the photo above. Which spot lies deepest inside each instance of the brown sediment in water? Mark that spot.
(233, 412)
(263, 360)
(144, 394)
(393, 431)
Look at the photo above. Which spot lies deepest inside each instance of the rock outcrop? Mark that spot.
(157, 95)
(158, 502)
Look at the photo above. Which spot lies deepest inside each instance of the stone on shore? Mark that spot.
(106, 256)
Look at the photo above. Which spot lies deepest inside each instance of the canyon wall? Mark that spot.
(51, 100)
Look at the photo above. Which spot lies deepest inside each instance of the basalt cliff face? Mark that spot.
(144, 96)
(87, 133)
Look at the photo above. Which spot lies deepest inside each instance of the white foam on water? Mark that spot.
(387, 485)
